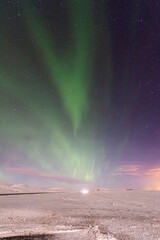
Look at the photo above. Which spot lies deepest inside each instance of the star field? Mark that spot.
(80, 92)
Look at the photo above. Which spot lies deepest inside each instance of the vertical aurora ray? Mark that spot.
(34, 132)
(71, 76)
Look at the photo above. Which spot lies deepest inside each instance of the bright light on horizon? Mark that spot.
(84, 191)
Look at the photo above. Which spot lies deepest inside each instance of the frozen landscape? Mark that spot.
(70, 214)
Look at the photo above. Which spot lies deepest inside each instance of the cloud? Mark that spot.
(138, 170)
(128, 170)
(34, 172)
(153, 172)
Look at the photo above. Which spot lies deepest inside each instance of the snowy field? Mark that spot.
(67, 214)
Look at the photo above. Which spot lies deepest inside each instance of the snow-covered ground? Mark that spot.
(104, 214)
(22, 188)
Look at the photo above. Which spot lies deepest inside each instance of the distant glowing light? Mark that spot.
(84, 191)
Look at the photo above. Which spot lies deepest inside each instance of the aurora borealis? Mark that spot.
(80, 93)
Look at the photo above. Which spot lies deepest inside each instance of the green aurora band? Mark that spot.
(72, 75)
(36, 133)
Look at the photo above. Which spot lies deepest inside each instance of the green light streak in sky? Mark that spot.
(39, 133)
(72, 76)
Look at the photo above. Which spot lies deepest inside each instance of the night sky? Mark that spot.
(80, 93)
